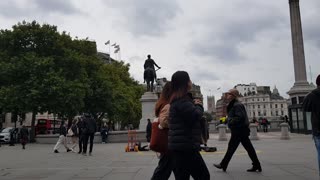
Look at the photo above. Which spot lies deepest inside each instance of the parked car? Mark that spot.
(5, 134)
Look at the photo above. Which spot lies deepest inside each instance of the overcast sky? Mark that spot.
(220, 43)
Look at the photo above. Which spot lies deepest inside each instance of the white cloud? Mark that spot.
(219, 43)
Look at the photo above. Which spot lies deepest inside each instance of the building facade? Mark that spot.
(196, 92)
(10, 120)
(246, 89)
(211, 104)
(221, 108)
(265, 104)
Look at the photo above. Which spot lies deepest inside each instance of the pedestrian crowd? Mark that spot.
(179, 119)
(82, 132)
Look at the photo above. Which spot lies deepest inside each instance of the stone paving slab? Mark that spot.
(293, 159)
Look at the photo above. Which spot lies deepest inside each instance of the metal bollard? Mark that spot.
(284, 131)
(253, 131)
(222, 132)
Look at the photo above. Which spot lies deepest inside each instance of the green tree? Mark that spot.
(41, 70)
(126, 106)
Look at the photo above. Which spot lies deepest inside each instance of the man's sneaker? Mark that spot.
(85, 154)
(68, 150)
(56, 151)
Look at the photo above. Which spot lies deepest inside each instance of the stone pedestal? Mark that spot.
(148, 101)
(222, 132)
(284, 131)
(253, 131)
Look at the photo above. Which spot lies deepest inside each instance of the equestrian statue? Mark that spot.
(149, 74)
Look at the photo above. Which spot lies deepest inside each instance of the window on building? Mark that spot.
(264, 106)
(253, 106)
(258, 99)
(277, 113)
(281, 105)
(270, 105)
(263, 99)
(276, 105)
(258, 106)
(259, 113)
(265, 113)
(254, 113)
(301, 98)
(294, 100)
(252, 99)
(244, 88)
(282, 113)
(271, 113)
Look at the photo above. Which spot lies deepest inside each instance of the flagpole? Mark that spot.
(109, 54)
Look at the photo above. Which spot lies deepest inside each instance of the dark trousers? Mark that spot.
(164, 168)
(233, 145)
(81, 144)
(188, 164)
(85, 142)
(265, 128)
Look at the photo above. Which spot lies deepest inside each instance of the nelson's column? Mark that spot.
(301, 86)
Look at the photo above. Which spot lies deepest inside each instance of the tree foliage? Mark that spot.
(44, 70)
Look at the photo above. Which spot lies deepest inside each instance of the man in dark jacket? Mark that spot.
(148, 130)
(311, 104)
(239, 125)
(80, 126)
(89, 129)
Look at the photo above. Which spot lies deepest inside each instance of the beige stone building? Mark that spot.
(265, 104)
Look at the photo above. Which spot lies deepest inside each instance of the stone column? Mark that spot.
(284, 131)
(148, 101)
(253, 131)
(301, 86)
(222, 132)
(297, 42)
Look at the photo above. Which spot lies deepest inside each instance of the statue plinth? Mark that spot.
(148, 102)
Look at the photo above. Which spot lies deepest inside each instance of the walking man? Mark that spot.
(90, 127)
(238, 123)
(80, 126)
(62, 138)
(311, 104)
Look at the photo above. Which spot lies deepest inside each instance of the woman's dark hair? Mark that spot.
(179, 84)
(164, 98)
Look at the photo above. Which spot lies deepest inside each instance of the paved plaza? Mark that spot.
(293, 159)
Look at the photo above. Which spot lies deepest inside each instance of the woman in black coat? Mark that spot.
(24, 135)
(185, 130)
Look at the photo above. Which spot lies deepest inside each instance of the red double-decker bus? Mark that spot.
(47, 126)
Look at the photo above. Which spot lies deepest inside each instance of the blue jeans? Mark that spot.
(317, 143)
